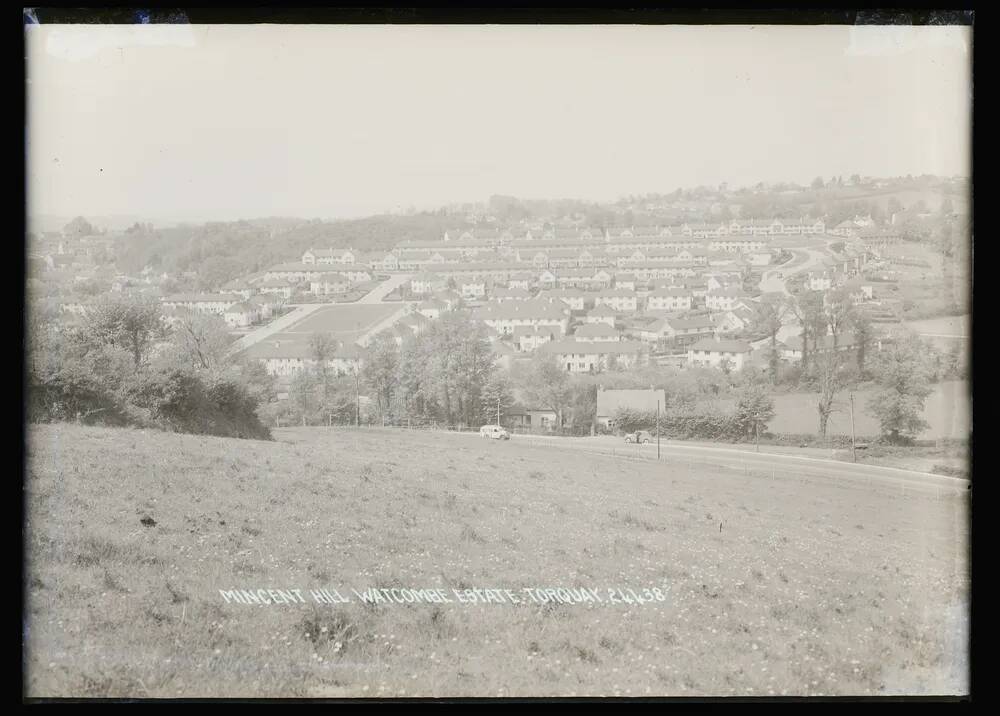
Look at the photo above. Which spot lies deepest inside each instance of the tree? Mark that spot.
(754, 409)
(202, 340)
(381, 369)
(807, 307)
(497, 393)
(828, 366)
(817, 183)
(770, 318)
(838, 313)
(904, 379)
(133, 324)
(864, 332)
(303, 393)
(322, 347)
(894, 206)
(79, 227)
(947, 207)
(547, 385)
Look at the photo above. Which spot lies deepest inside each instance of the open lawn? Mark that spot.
(770, 586)
(947, 409)
(345, 319)
(346, 323)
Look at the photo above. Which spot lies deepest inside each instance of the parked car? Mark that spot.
(494, 431)
(640, 436)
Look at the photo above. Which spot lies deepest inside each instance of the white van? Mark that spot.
(494, 431)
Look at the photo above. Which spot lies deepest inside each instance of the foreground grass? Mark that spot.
(773, 587)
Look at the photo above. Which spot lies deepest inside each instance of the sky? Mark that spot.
(199, 122)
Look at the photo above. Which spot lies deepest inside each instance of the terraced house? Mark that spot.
(669, 299)
(723, 354)
(505, 317)
(725, 299)
(594, 356)
(286, 358)
(216, 303)
(619, 299)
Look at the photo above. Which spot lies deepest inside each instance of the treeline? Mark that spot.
(121, 364)
(222, 251)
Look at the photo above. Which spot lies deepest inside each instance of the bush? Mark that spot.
(180, 400)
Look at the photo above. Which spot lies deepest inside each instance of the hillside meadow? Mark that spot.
(772, 586)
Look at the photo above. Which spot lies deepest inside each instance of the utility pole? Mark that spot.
(756, 429)
(498, 412)
(357, 387)
(657, 429)
(854, 450)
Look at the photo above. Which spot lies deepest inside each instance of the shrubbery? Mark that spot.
(123, 367)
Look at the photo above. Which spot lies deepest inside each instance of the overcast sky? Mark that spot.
(199, 122)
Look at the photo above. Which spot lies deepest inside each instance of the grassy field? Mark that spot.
(771, 586)
(345, 323)
(947, 411)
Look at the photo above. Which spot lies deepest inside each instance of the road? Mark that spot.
(759, 464)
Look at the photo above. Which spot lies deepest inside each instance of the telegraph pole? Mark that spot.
(756, 429)
(854, 450)
(657, 429)
(498, 412)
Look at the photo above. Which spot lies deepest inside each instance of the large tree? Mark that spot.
(322, 347)
(381, 370)
(904, 378)
(546, 385)
(497, 397)
(131, 324)
(202, 340)
(771, 313)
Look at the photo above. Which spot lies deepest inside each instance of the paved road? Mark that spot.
(778, 464)
(378, 294)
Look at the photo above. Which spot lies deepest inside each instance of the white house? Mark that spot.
(528, 338)
(725, 299)
(593, 356)
(669, 299)
(329, 283)
(424, 283)
(241, 315)
(619, 299)
(201, 302)
(717, 353)
(596, 332)
(602, 313)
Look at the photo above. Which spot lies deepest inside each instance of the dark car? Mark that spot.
(640, 436)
